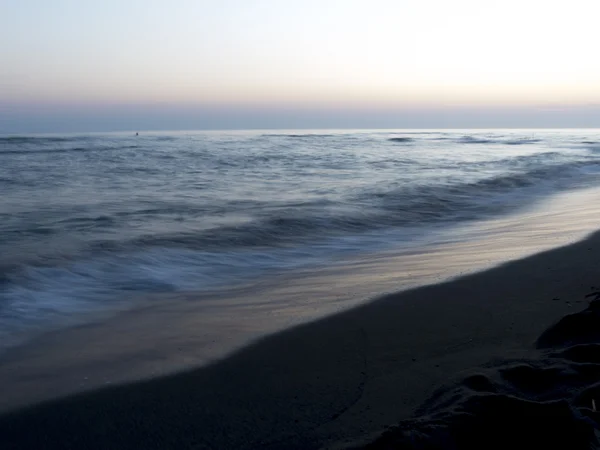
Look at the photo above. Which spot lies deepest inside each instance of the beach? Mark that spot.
(337, 382)
(317, 225)
(398, 310)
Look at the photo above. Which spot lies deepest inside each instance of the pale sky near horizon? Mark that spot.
(245, 64)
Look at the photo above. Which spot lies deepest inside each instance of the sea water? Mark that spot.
(94, 224)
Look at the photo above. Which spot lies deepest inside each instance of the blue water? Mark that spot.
(89, 223)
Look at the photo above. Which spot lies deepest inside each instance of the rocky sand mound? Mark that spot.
(549, 402)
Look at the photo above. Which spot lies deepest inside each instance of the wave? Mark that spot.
(503, 141)
(300, 136)
(536, 160)
(165, 138)
(474, 140)
(33, 139)
(426, 132)
(521, 141)
(594, 148)
(533, 177)
(271, 224)
(457, 197)
(64, 150)
(287, 224)
(38, 298)
(401, 139)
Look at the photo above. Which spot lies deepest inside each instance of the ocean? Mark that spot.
(95, 224)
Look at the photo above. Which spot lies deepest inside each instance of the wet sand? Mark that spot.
(343, 380)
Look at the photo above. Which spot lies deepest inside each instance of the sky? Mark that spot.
(86, 65)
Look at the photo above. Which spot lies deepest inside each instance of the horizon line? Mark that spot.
(183, 130)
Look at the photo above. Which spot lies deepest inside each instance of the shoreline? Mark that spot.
(333, 381)
(193, 330)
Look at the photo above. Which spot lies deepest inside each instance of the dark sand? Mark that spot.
(342, 381)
